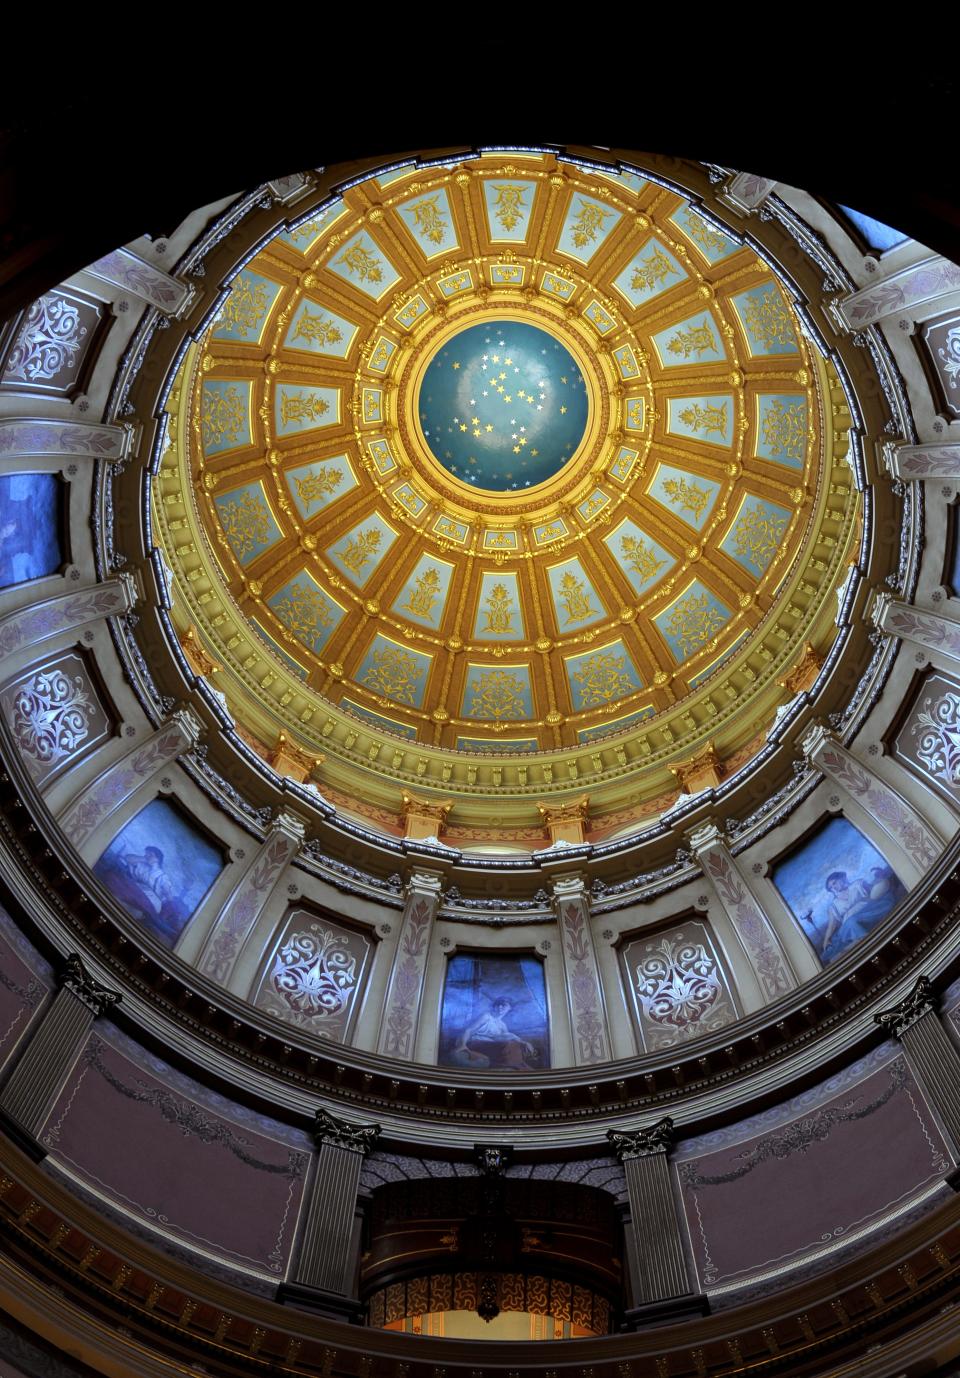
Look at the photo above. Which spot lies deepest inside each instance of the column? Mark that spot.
(401, 1011)
(661, 1281)
(930, 630)
(932, 1056)
(735, 895)
(257, 881)
(745, 192)
(588, 1020)
(37, 1078)
(901, 823)
(124, 269)
(99, 800)
(324, 1277)
(937, 461)
(908, 294)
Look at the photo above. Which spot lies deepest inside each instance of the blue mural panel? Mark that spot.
(306, 611)
(765, 320)
(424, 595)
(689, 496)
(651, 271)
(587, 224)
(494, 1014)
(601, 676)
(224, 415)
(394, 671)
(756, 533)
(709, 419)
(509, 205)
(641, 559)
(427, 217)
(712, 243)
(244, 314)
(498, 693)
(692, 620)
(315, 329)
(305, 409)
(247, 520)
(576, 602)
(878, 235)
(781, 434)
(363, 264)
(31, 527)
(697, 340)
(320, 483)
(158, 868)
(499, 611)
(360, 551)
(838, 887)
(305, 235)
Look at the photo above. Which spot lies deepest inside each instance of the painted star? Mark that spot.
(508, 361)
(455, 365)
(562, 410)
(474, 421)
(463, 425)
(489, 427)
(516, 449)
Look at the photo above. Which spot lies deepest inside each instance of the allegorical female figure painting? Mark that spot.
(838, 886)
(494, 1014)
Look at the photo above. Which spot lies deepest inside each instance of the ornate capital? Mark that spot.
(922, 1000)
(289, 759)
(75, 978)
(492, 1159)
(699, 772)
(330, 1129)
(642, 1143)
(425, 884)
(705, 836)
(804, 673)
(814, 739)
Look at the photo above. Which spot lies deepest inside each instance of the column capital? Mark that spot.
(75, 978)
(330, 1129)
(745, 192)
(642, 1143)
(424, 883)
(492, 1159)
(569, 886)
(188, 725)
(816, 736)
(291, 825)
(922, 1000)
(705, 836)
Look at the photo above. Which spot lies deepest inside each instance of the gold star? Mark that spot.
(478, 431)
(496, 360)
(523, 440)
(521, 393)
(534, 452)
(463, 425)
(474, 421)
(488, 426)
(456, 365)
(508, 399)
(562, 379)
(516, 451)
(562, 410)
(506, 361)
(503, 375)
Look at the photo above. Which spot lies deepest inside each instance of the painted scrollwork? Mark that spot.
(49, 341)
(315, 976)
(938, 737)
(51, 716)
(679, 985)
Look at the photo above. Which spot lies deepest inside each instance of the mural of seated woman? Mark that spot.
(146, 891)
(856, 907)
(489, 1042)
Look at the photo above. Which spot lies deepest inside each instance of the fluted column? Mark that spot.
(661, 1281)
(588, 1018)
(937, 461)
(98, 801)
(735, 895)
(43, 1068)
(134, 275)
(401, 1011)
(932, 1055)
(324, 1277)
(234, 922)
(929, 630)
(901, 823)
(909, 294)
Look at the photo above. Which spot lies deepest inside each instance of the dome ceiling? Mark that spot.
(507, 457)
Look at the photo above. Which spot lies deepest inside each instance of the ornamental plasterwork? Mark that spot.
(51, 716)
(478, 532)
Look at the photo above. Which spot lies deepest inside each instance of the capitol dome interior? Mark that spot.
(480, 735)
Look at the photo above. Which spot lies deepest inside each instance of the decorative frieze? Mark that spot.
(588, 1020)
(401, 1016)
(31, 436)
(124, 269)
(901, 294)
(922, 461)
(65, 612)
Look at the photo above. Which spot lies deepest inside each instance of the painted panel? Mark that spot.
(305, 235)
(640, 558)
(593, 504)
(297, 409)
(651, 271)
(410, 499)
(319, 484)
(507, 274)
(451, 530)
(548, 532)
(244, 315)
(498, 693)
(929, 740)
(508, 202)
(941, 339)
(623, 463)
(248, 521)
(411, 311)
(363, 264)
(765, 321)
(380, 355)
(781, 430)
(709, 419)
(360, 551)
(494, 1014)
(576, 602)
(315, 329)
(712, 243)
(500, 540)
(556, 286)
(696, 340)
(428, 219)
(587, 224)
(423, 597)
(380, 453)
(307, 611)
(838, 887)
(634, 416)
(599, 317)
(32, 511)
(158, 868)
(499, 615)
(316, 976)
(225, 415)
(692, 621)
(626, 362)
(49, 350)
(402, 729)
(497, 746)
(689, 496)
(55, 716)
(679, 987)
(394, 671)
(585, 735)
(756, 533)
(454, 283)
(601, 676)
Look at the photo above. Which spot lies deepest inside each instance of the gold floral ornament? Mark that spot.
(362, 262)
(602, 678)
(575, 599)
(757, 536)
(394, 673)
(767, 320)
(247, 524)
(423, 597)
(301, 408)
(316, 486)
(316, 326)
(693, 622)
(499, 610)
(306, 613)
(223, 417)
(588, 223)
(785, 429)
(697, 340)
(640, 557)
(703, 234)
(509, 206)
(710, 419)
(361, 548)
(381, 354)
(429, 219)
(635, 413)
(689, 497)
(497, 694)
(245, 307)
(651, 272)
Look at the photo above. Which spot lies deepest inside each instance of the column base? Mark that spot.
(23, 1139)
(668, 1309)
(334, 1305)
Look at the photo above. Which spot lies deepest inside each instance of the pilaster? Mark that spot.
(134, 275)
(929, 630)
(936, 461)
(401, 1015)
(22, 630)
(588, 1019)
(932, 1056)
(908, 294)
(745, 192)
